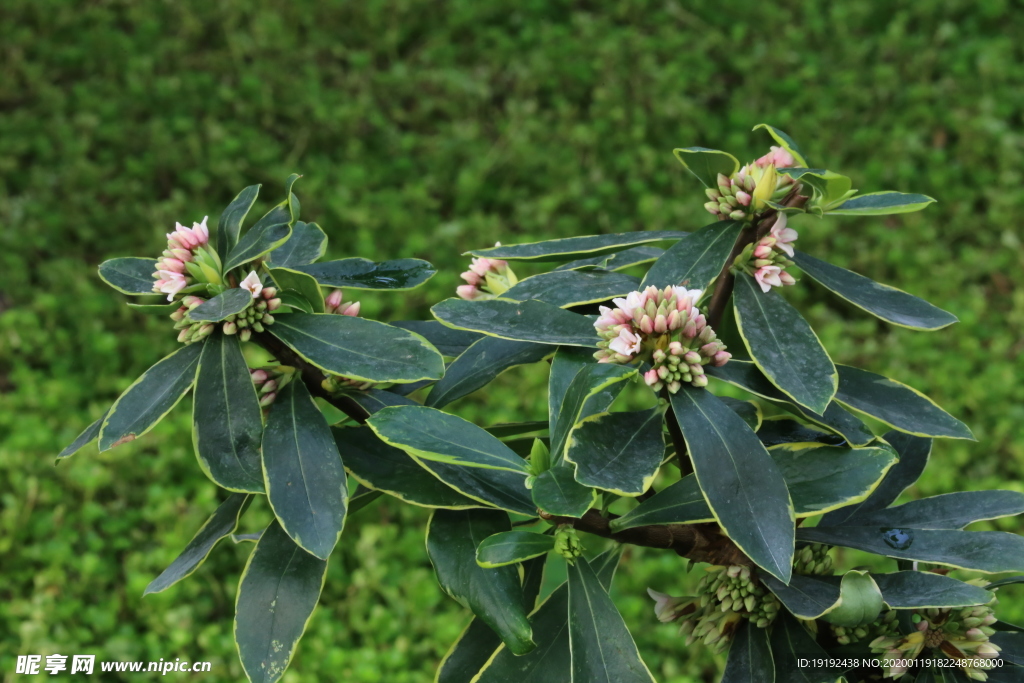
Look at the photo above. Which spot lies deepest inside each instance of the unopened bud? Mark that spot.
(184, 335)
(244, 335)
(700, 381)
(267, 319)
(712, 207)
(273, 304)
(178, 315)
(786, 278)
(259, 376)
(230, 328)
(713, 194)
(738, 215)
(269, 292)
(267, 399)
(692, 357)
(333, 300)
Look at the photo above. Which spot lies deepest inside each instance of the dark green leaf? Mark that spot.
(87, 435)
(506, 429)
(784, 346)
(860, 600)
(270, 232)
(785, 142)
(829, 188)
(360, 273)
(276, 596)
(130, 275)
(749, 411)
(230, 223)
(743, 486)
(290, 280)
(446, 340)
(361, 499)
(373, 400)
(680, 503)
(566, 288)
(808, 597)
(358, 348)
(706, 163)
(303, 472)
(619, 260)
(155, 309)
(493, 595)
(296, 301)
(618, 452)
(570, 248)
(227, 303)
(226, 418)
(777, 430)
(592, 390)
(1012, 645)
(556, 492)
(306, 244)
(948, 511)
(750, 656)
(150, 397)
(897, 405)
(790, 643)
(497, 488)
(510, 547)
(913, 590)
(985, 551)
(532, 321)
(888, 303)
(697, 260)
(222, 523)
(480, 364)
(1008, 581)
(386, 468)
(882, 204)
(602, 649)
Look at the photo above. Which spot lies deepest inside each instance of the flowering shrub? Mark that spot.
(754, 492)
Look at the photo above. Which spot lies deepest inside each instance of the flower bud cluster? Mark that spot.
(188, 258)
(269, 381)
(961, 633)
(255, 317)
(190, 331)
(333, 304)
(487, 278)
(767, 260)
(885, 626)
(567, 543)
(813, 560)
(744, 193)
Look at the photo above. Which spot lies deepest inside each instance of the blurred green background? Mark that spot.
(422, 129)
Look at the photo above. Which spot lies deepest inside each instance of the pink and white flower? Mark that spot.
(252, 283)
(768, 277)
(170, 283)
(626, 343)
(784, 236)
(778, 157)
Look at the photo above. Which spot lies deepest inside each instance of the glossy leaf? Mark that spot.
(131, 275)
(618, 452)
(511, 547)
(277, 594)
(385, 468)
(303, 472)
(784, 346)
(743, 486)
(531, 321)
(750, 656)
(226, 418)
(295, 301)
(150, 397)
(829, 188)
(897, 405)
(358, 348)
(808, 597)
(749, 411)
(494, 488)
(914, 589)
(696, 261)
(87, 436)
(360, 273)
(591, 391)
(681, 503)
(291, 280)
(448, 341)
(1008, 581)
(882, 204)
(228, 302)
(222, 523)
(778, 430)
(507, 429)
(155, 309)
(706, 163)
(785, 142)
(480, 364)
(229, 226)
(361, 498)
(493, 595)
(791, 643)
(860, 600)
(565, 288)
(373, 400)
(984, 551)
(556, 492)
(569, 248)
(948, 511)
(619, 260)
(888, 303)
(306, 244)
(270, 232)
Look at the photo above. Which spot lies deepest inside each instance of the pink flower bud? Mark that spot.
(651, 377)
(468, 292)
(201, 232)
(351, 310)
(258, 376)
(696, 369)
(230, 328)
(706, 334)
(184, 335)
(721, 358)
(480, 266)
(786, 278)
(179, 314)
(674, 386)
(267, 400)
(692, 357)
(690, 329)
(333, 300)
(181, 254)
(273, 304)
(710, 349)
(663, 372)
(700, 381)
(676, 349)
(659, 356)
(661, 324)
(471, 277)
(762, 251)
(647, 325)
(269, 292)
(743, 198)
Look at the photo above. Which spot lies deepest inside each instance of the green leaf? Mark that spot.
(565, 288)
(373, 400)
(592, 390)
(882, 204)
(619, 260)
(296, 301)
(303, 472)
(493, 595)
(230, 223)
(749, 411)
(360, 273)
(306, 244)
(87, 435)
(618, 452)
(681, 503)
(785, 142)
(361, 499)
(268, 234)
(385, 468)
(494, 488)
(696, 261)
(221, 523)
(446, 340)
(218, 308)
(510, 547)
(829, 188)
(784, 346)
(808, 597)
(304, 285)
(358, 348)
(569, 248)
(948, 511)
(750, 656)
(278, 591)
(917, 590)
(481, 363)
(888, 303)
(780, 429)
(132, 276)
(706, 163)
(897, 405)
(433, 435)
(602, 649)
(226, 418)
(507, 429)
(155, 309)
(747, 376)
(532, 321)
(743, 486)
(791, 643)
(556, 492)
(860, 600)
(150, 397)
(1008, 581)
(984, 551)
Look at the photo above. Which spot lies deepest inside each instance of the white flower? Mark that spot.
(252, 283)
(626, 343)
